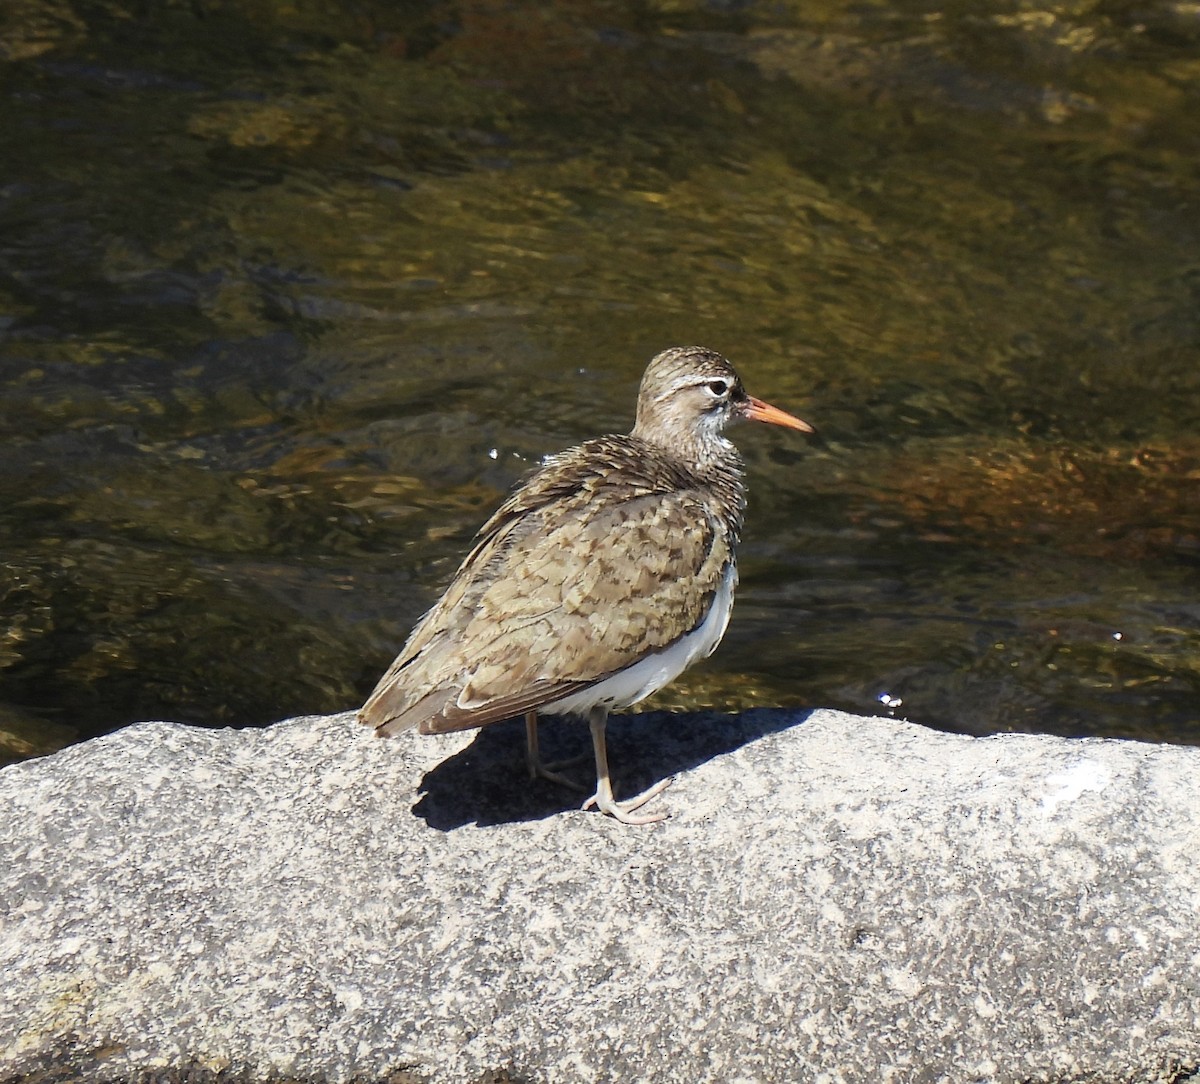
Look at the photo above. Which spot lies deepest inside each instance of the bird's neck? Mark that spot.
(712, 466)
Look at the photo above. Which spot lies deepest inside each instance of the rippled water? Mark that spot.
(290, 295)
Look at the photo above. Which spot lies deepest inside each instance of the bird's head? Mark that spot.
(689, 394)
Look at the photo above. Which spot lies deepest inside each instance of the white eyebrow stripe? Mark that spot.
(685, 382)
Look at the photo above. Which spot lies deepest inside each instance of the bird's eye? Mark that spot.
(718, 387)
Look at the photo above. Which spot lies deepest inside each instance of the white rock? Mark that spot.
(842, 900)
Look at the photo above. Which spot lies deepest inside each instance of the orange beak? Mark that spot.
(758, 411)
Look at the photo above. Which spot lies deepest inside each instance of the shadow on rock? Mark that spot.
(487, 782)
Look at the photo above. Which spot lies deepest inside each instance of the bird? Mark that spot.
(603, 576)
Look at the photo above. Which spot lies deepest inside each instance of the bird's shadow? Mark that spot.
(487, 782)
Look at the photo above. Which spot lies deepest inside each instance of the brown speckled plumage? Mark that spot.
(607, 554)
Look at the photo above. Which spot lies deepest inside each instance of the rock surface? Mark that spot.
(834, 899)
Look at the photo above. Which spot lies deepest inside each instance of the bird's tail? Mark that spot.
(388, 711)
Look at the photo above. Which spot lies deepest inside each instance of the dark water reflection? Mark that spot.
(289, 295)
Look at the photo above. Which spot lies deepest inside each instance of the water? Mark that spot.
(290, 295)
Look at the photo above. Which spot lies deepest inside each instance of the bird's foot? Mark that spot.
(551, 773)
(624, 811)
(533, 758)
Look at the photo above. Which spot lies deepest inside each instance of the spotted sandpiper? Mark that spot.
(603, 576)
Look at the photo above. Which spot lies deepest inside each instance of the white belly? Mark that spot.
(650, 674)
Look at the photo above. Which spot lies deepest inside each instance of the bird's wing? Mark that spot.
(557, 595)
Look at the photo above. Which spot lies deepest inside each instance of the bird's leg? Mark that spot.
(533, 761)
(603, 798)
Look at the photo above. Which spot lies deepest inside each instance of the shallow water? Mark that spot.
(290, 295)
